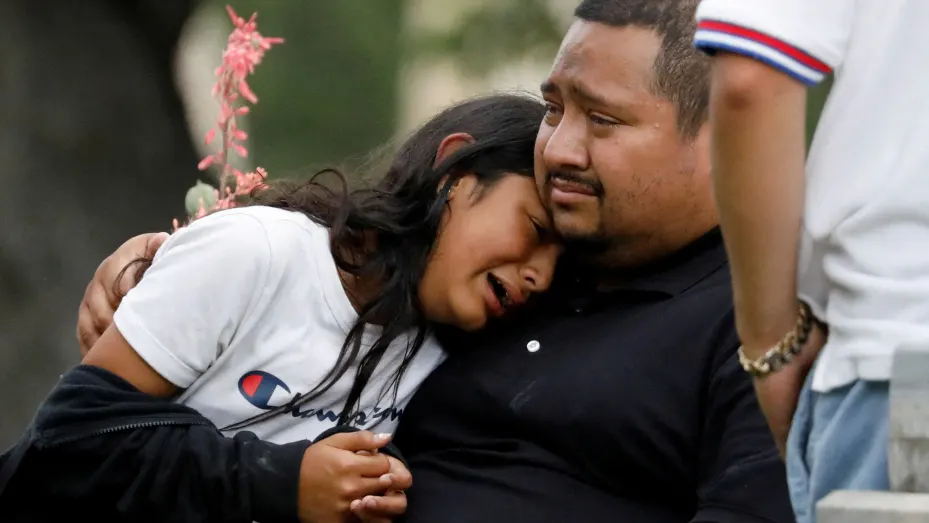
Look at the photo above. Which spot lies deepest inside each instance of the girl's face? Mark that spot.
(494, 251)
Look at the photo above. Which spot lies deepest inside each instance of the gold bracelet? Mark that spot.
(784, 351)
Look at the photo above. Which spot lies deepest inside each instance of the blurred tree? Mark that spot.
(816, 100)
(496, 33)
(95, 149)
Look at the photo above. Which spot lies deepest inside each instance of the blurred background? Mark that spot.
(104, 104)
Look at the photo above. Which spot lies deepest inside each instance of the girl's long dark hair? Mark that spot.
(400, 215)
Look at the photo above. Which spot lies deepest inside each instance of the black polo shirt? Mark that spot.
(622, 406)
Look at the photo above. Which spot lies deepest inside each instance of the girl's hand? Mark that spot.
(338, 470)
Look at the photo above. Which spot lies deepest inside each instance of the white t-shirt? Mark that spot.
(244, 309)
(864, 253)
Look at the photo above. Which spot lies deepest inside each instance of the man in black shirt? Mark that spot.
(620, 398)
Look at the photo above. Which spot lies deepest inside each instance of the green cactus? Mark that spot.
(201, 192)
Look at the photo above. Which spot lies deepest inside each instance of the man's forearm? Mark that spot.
(757, 117)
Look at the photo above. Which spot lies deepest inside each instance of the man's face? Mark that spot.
(609, 160)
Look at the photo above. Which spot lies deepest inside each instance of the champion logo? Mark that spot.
(258, 387)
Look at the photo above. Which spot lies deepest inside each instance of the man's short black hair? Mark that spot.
(682, 73)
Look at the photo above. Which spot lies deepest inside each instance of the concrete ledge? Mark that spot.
(908, 457)
(848, 506)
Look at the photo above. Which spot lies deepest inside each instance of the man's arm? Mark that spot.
(765, 53)
(741, 478)
(758, 131)
(106, 289)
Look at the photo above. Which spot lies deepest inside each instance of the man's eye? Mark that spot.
(599, 120)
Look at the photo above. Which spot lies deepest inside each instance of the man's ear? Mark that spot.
(450, 145)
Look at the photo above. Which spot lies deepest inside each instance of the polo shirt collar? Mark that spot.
(674, 273)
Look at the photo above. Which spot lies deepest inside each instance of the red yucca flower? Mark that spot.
(245, 49)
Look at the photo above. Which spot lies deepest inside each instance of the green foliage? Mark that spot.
(494, 34)
(816, 99)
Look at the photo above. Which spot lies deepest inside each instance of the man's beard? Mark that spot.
(587, 246)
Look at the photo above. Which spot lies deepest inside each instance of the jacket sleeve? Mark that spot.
(100, 448)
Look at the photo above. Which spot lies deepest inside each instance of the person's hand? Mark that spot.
(338, 470)
(101, 298)
(382, 509)
(815, 341)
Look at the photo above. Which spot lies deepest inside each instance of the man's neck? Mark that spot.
(616, 265)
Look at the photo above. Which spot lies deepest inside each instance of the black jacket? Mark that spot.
(101, 450)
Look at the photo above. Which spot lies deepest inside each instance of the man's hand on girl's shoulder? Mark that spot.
(102, 296)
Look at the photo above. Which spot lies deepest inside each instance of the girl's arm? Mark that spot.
(113, 353)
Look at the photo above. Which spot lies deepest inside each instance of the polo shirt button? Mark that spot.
(533, 346)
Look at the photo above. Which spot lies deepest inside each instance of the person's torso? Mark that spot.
(585, 412)
(292, 343)
(864, 264)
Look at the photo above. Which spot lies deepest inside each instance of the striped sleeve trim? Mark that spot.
(713, 35)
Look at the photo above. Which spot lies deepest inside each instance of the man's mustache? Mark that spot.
(573, 177)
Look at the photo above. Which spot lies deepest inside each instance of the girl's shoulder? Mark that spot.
(284, 246)
(281, 233)
(277, 222)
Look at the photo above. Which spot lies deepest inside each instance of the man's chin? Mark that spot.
(573, 224)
